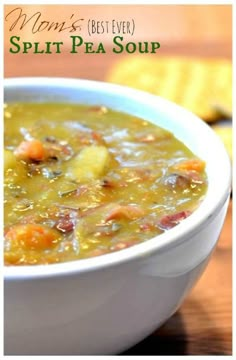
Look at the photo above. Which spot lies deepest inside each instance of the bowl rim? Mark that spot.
(173, 237)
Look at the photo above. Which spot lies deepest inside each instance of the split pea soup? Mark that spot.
(83, 181)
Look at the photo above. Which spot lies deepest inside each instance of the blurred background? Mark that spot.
(198, 33)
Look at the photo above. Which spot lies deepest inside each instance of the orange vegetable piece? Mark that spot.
(193, 164)
(129, 212)
(32, 237)
(30, 150)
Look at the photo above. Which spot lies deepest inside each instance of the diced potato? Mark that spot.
(90, 163)
(15, 171)
(10, 161)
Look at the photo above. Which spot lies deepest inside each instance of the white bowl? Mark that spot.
(106, 304)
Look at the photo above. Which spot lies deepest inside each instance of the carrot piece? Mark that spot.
(129, 212)
(192, 164)
(32, 236)
(30, 150)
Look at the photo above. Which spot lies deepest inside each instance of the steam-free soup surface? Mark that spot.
(85, 181)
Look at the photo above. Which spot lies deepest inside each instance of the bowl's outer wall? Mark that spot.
(104, 312)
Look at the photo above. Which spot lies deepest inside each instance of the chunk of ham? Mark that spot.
(169, 221)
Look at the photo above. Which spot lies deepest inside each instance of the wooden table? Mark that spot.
(203, 324)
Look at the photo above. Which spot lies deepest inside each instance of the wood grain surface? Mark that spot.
(203, 324)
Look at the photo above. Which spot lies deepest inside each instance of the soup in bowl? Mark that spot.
(106, 181)
(111, 213)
